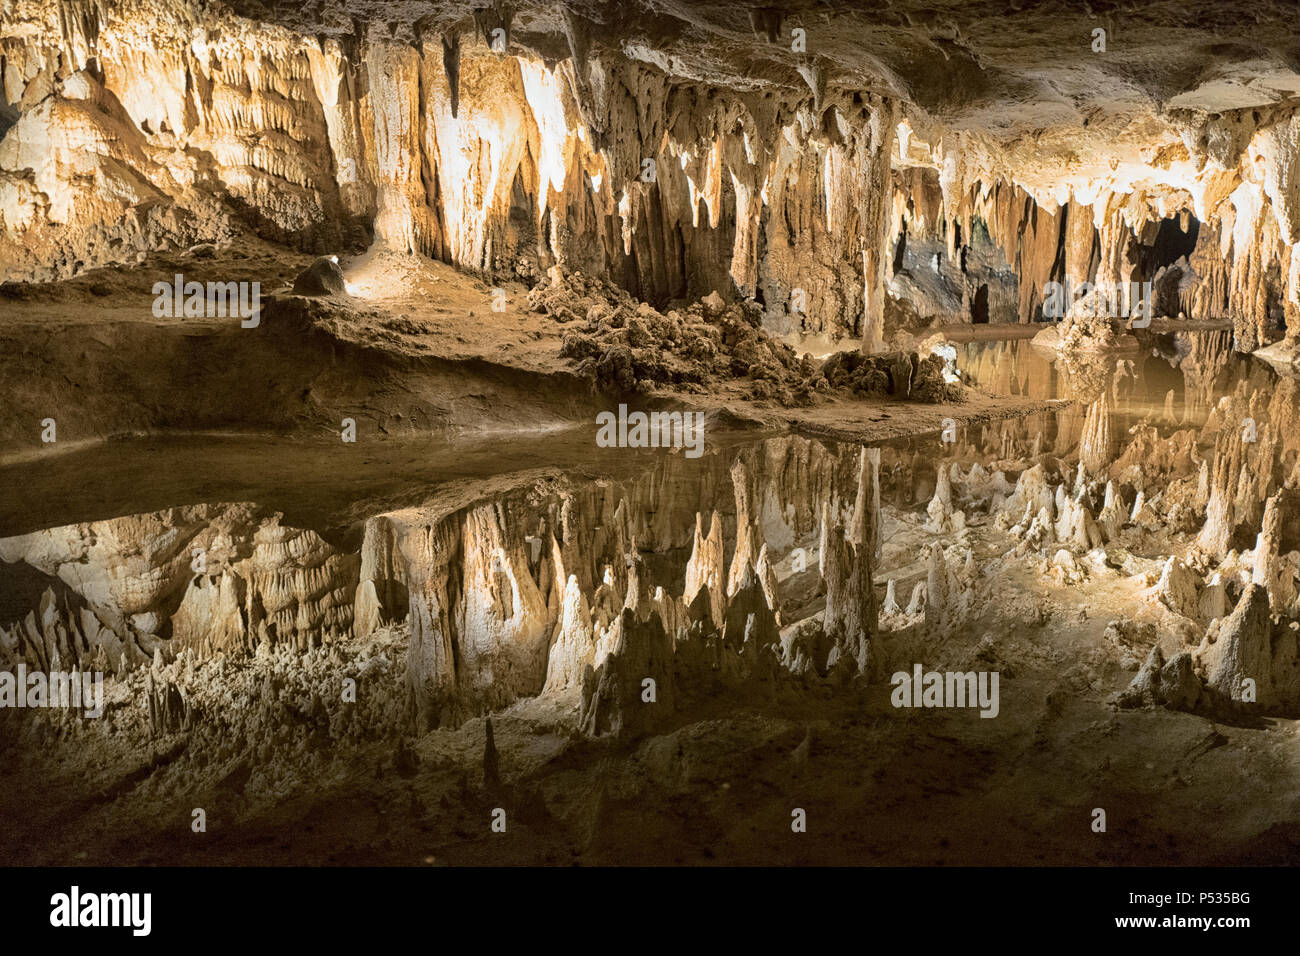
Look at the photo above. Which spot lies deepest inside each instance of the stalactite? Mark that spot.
(766, 22)
(498, 16)
(451, 67)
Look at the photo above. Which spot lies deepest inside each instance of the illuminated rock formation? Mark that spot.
(1219, 511)
(1271, 570)
(632, 690)
(428, 134)
(1242, 660)
(1178, 589)
(940, 510)
(704, 569)
(215, 577)
(573, 647)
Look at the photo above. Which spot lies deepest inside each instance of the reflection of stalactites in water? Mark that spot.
(1095, 451)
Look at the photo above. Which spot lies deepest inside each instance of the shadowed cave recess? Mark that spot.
(576, 432)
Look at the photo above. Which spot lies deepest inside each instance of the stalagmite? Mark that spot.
(573, 647)
(866, 525)
(748, 532)
(750, 629)
(1270, 570)
(918, 602)
(168, 711)
(1076, 527)
(1219, 518)
(704, 569)
(614, 694)
(1031, 494)
(1172, 683)
(940, 510)
(1178, 589)
(890, 608)
(766, 575)
(431, 672)
(1144, 514)
(1113, 516)
(1214, 599)
(850, 617)
(1241, 658)
(1095, 454)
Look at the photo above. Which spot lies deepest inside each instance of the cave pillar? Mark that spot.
(875, 217)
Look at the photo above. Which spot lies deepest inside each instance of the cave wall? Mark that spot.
(161, 123)
(151, 124)
(1235, 172)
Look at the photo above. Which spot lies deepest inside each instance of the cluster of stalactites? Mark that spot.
(1241, 177)
(506, 603)
(435, 137)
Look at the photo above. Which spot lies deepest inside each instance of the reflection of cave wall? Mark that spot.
(480, 584)
(1163, 260)
(1174, 238)
(979, 307)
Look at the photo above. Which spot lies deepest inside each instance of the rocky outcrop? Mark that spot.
(1244, 660)
(631, 692)
(1245, 663)
(1172, 683)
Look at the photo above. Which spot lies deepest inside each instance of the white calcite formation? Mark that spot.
(942, 517)
(1243, 659)
(1179, 589)
(1272, 570)
(212, 577)
(151, 124)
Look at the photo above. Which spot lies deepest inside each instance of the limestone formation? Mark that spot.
(940, 509)
(1242, 661)
(1226, 470)
(1271, 570)
(616, 696)
(1172, 683)
(573, 647)
(704, 569)
(513, 407)
(1178, 589)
